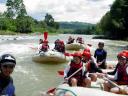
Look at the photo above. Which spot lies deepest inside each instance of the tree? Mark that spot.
(24, 24)
(15, 8)
(49, 20)
(115, 23)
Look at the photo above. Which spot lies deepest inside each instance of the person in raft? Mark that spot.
(80, 40)
(91, 66)
(70, 40)
(62, 47)
(44, 46)
(59, 46)
(56, 47)
(7, 65)
(120, 77)
(93, 59)
(100, 55)
(80, 78)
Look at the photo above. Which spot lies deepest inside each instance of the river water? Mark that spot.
(30, 78)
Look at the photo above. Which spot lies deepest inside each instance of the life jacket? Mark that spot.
(122, 76)
(73, 68)
(9, 90)
(44, 48)
(88, 66)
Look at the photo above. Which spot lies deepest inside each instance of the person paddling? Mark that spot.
(121, 75)
(7, 65)
(78, 79)
(91, 65)
(59, 46)
(80, 40)
(70, 40)
(100, 55)
(44, 46)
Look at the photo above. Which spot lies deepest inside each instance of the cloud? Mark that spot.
(69, 10)
(2, 7)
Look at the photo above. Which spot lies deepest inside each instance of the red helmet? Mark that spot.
(87, 54)
(61, 42)
(122, 54)
(77, 54)
(126, 52)
(87, 50)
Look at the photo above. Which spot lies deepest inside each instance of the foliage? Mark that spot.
(24, 24)
(49, 20)
(15, 8)
(115, 23)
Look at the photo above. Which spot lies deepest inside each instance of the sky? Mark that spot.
(90, 11)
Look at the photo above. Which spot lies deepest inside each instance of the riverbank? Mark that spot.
(17, 33)
(110, 38)
(7, 32)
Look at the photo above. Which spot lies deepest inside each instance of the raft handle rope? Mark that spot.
(66, 90)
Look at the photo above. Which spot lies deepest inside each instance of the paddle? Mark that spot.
(45, 35)
(90, 45)
(61, 72)
(113, 83)
(53, 89)
(68, 54)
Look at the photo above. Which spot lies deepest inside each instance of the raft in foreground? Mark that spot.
(65, 90)
(50, 56)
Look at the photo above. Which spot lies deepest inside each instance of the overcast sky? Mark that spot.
(89, 11)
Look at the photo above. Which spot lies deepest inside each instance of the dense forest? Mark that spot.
(113, 25)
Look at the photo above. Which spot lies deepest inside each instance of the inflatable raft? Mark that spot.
(65, 90)
(51, 56)
(74, 46)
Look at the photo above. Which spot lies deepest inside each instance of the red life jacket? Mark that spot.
(44, 48)
(122, 76)
(73, 68)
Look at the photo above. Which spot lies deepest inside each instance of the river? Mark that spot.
(30, 78)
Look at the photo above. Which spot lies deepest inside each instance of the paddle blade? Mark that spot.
(51, 91)
(90, 45)
(67, 54)
(45, 35)
(61, 72)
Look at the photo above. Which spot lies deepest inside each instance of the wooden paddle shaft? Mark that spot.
(74, 73)
(111, 82)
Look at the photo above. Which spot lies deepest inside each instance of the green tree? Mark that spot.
(115, 23)
(24, 24)
(49, 20)
(15, 8)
